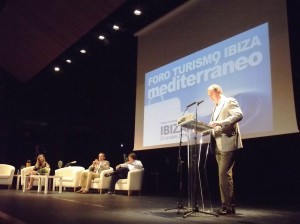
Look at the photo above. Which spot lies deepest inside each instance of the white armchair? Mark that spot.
(102, 182)
(132, 183)
(70, 176)
(26, 171)
(6, 174)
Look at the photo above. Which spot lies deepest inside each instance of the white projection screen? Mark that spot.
(241, 45)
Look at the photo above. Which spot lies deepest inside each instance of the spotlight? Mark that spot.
(101, 37)
(137, 12)
(56, 68)
(115, 27)
(83, 51)
(69, 61)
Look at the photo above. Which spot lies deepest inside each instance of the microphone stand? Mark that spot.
(179, 170)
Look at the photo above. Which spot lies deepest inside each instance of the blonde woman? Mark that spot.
(40, 167)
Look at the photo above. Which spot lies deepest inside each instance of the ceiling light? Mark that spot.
(68, 61)
(101, 37)
(115, 27)
(137, 12)
(83, 51)
(56, 69)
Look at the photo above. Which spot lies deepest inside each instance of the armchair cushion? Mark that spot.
(123, 181)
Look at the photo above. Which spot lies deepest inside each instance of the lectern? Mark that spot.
(194, 128)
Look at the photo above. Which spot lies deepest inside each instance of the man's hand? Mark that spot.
(215, 123)
(95, 162)
(218, 130)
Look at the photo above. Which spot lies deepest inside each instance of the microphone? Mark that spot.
(196, 102)
(125, 158)
(191, 104)
(68, 164)
(199, 102)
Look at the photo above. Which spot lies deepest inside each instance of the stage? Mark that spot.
(69, 207)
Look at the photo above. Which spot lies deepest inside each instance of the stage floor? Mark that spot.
(69, 207)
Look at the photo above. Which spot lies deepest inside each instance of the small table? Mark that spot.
(46, 177)
(18, 176)
(53, 186)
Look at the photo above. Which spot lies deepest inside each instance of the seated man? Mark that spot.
(122, 171)
(93, 172)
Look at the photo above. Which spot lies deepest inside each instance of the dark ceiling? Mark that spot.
(35, 32)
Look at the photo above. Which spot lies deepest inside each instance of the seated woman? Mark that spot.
(41, 167)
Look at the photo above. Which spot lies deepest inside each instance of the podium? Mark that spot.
(194, 148)
(190, 123)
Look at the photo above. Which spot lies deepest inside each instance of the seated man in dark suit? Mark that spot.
(122, 171)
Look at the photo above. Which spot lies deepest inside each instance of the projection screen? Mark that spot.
(241, 45)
